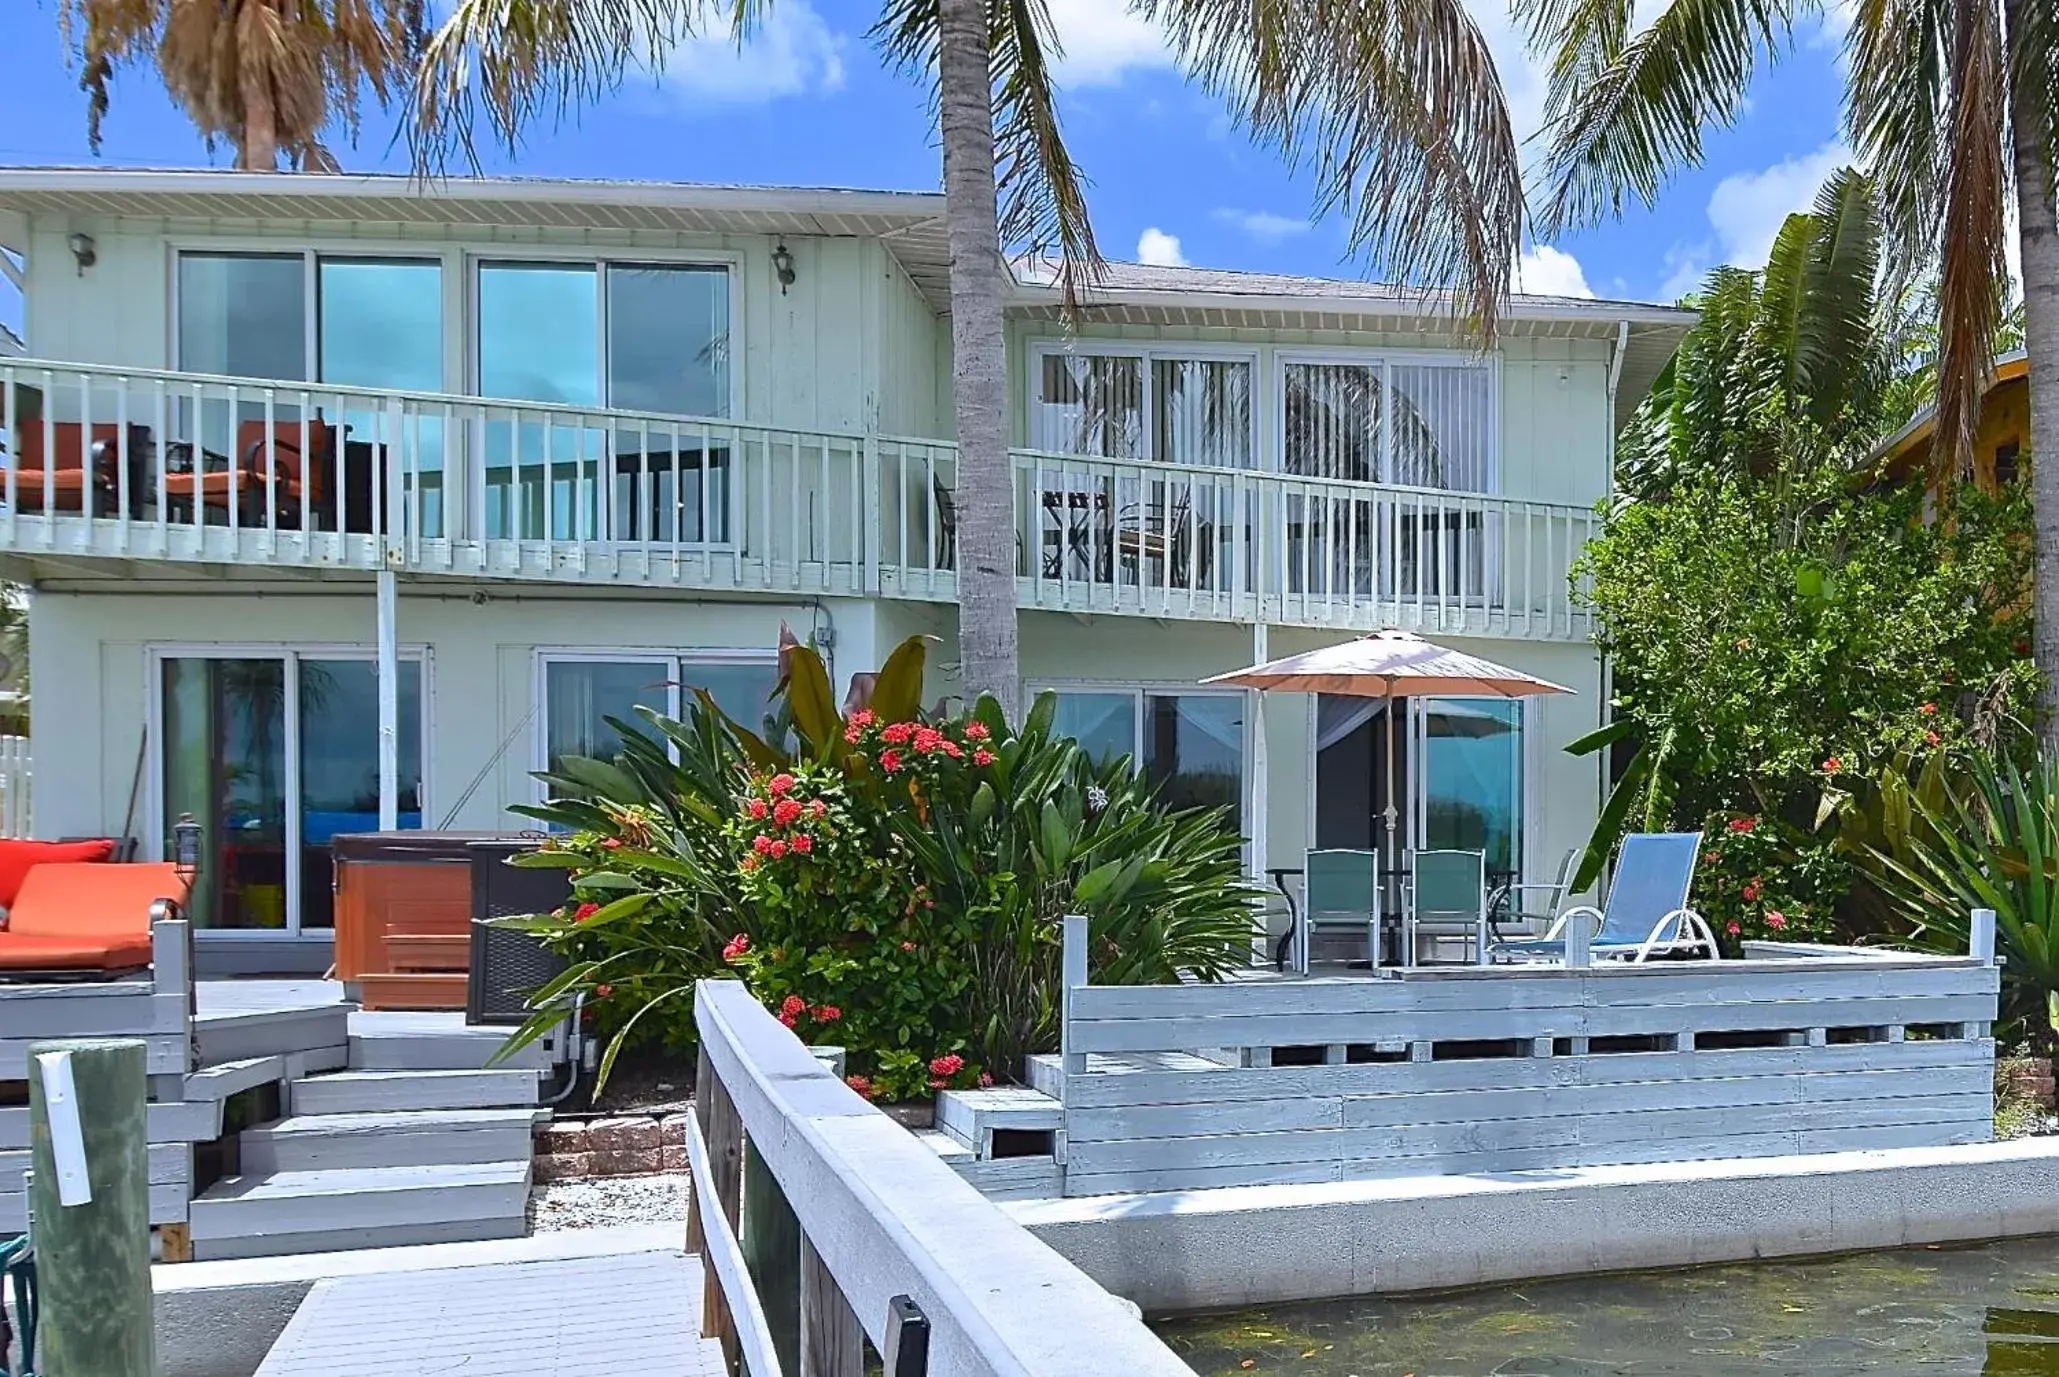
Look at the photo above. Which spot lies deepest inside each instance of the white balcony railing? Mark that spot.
(147, 465)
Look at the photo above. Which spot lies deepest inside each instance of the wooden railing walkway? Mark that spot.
(825, 1225)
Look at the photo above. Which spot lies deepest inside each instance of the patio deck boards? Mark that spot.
(623, 1316)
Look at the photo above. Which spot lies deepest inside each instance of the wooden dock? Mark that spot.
(625, 1316)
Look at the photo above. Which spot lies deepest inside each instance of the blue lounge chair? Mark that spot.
(1443, 886)
(1646, 913)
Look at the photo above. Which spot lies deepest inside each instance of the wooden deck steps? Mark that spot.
(415, 1139)
(267, 1214)
(384, 1092)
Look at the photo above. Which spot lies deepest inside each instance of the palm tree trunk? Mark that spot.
(2039, 235)
(258, 149)
(986, 489)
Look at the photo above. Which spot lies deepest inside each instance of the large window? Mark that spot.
(274, 754)
(642, 337)
(379, 321)
(1189, 744)
(635, 336)
(583, 690)
(316, 318)
(1425, 424)
(1167, 407)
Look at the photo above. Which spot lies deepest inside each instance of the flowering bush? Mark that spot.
(1761, 879)
(893, 885)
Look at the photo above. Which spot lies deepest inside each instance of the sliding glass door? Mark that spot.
(645, 337)
(275, 754)
(1457, 775)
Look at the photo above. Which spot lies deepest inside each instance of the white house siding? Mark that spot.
(813, 355)
(90, 651)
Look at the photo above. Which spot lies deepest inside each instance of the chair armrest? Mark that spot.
(1558, 925)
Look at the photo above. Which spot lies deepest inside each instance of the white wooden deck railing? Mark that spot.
(16, 775)
(824, 1224)
(140, 464)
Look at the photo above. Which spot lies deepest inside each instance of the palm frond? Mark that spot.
(517, 61)
(1624, 127)
(1833, 339)
(1398, 107)
(1042, 192)
(1974, 269)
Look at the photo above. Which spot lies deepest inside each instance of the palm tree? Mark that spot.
(1395, 103)
(1953, 106)
(267, 75)
(1792, 344)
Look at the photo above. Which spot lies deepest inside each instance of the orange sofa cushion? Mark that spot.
(84, 916)
(25, 952)
(18, 854)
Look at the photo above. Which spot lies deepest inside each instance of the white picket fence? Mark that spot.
(15, 776)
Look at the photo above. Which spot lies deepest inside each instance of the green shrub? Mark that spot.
(892, 882)
(1988, 838)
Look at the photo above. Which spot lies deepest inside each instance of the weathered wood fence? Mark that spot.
(824, 1225)
(16, 776)
(1463, 1069)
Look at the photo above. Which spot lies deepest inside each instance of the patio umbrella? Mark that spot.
(1390, 665)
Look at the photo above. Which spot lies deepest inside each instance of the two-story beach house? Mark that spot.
(606, 437)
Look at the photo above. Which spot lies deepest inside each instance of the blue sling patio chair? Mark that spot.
(1445, 887)
(1646, 913)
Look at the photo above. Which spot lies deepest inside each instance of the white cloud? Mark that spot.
(1545, 271)
(1268, 227)
(1160, 249)
(1103, 40)
(792, 52)
(1685, 268)
(1747, 209)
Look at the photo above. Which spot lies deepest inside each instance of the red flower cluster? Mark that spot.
(793, 1009)
(584, 912)
(861, 1084)
(1751, 890)
(1775, 919)
(1832, 765)
(1743, 824)
(950, 1064)
(903, 743)
(1927, 709)
(603, 991)
(736, 947)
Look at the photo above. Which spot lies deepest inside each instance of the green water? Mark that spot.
(1991, 1310)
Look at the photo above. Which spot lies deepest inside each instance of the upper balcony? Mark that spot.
(109, 465)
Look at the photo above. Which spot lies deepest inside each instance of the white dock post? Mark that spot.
(1073, 975)
(1981, 933)
(1579, 937)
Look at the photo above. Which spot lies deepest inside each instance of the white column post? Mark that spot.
(389, 702)
(1254, 707)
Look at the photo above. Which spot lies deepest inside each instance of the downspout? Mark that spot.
(1602, 712)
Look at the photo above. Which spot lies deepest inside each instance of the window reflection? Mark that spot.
(243, 315)
(668, 339)
(539, 333)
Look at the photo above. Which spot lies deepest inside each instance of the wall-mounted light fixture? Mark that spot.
(84, 251)
(186, 847)
(783, 266)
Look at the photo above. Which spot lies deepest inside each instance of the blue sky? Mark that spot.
(809, 102)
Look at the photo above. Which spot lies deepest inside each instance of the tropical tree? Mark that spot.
(1953, 107)
(269, 76)
(1793, 344)
(1397, 107)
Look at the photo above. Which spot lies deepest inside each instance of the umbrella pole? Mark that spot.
(1389, 861)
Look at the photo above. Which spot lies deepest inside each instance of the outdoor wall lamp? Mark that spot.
(186, 847)
(84, 251)
(783, 267)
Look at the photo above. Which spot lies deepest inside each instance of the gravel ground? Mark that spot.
(608, 1200)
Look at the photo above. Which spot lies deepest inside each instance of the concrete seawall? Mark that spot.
(1200, 1250)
